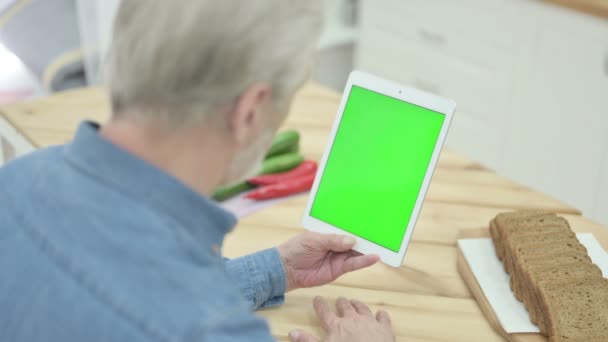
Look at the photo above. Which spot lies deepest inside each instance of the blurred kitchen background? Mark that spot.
(530, 77)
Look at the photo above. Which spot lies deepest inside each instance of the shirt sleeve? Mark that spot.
(260, 277)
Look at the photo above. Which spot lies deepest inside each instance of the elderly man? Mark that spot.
(113, 238)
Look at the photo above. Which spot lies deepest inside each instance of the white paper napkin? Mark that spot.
(494, 281)
(242, 207)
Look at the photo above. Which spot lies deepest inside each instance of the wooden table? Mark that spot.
(598, 8)
(427, 299)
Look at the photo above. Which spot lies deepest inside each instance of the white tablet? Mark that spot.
(378, 164)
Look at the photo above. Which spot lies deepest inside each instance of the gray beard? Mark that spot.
(248, 162)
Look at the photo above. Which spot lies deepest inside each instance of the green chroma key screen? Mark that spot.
(376, 167)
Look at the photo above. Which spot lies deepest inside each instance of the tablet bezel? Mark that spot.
(403, 93)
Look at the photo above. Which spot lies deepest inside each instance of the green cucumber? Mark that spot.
(283, 142)
(293, 149)
(231, 191)
(283, 162)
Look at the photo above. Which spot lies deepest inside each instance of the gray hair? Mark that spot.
(180, 61)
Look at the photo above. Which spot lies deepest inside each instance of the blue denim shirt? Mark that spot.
(98, 245)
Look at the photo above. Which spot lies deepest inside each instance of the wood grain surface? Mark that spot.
(426, 297)
(486, 308)
(598, 8)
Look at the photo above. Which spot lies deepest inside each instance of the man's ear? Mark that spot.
(245, 119)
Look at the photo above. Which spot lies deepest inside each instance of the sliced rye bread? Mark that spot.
(524, 225)
(549, 259)
(582, 339)
(577, 311)
(528, 225)
(532, 240)
(520, 281)
(542, 255)
(504, 219)
(539, 255)
(529, 243)
(532, 299)
(532, 243)
(523, 231)
(542, 244)
(549, 274)
(505, 222)
(506, 216)
(495, 234)
(538, 237)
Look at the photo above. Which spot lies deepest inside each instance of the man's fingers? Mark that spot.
(345, 308)
(302, 336)
(325, 314)
(354, 253)
(383, 318)
(359, 262)
(337, 243)
(361, 308)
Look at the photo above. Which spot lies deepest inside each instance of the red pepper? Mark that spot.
(288, 187)
(307, 168)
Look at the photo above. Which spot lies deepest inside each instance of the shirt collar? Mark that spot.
(204, 219)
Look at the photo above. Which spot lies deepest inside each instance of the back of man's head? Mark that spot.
(180, 61)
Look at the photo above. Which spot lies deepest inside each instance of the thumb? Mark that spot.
(302, 336)
(338, 243)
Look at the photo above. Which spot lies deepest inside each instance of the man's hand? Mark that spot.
(354, 323)
(313, 259)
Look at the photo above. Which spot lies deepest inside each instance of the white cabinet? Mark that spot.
(465, 50)
(559, 125)
(530, 80)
